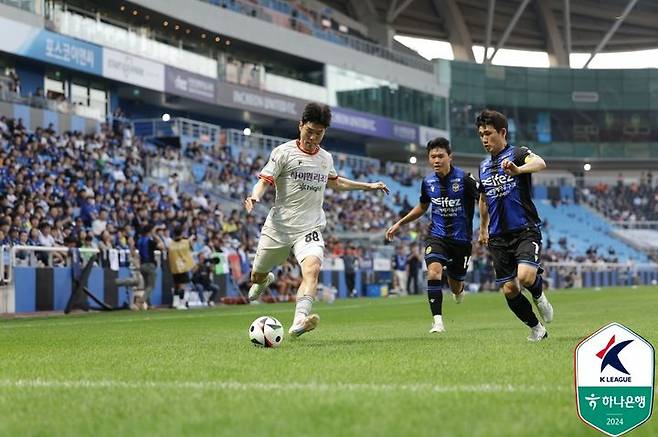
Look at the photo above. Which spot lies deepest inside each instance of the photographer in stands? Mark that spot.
(202, 278)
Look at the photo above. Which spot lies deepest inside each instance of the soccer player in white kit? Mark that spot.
(300, 170)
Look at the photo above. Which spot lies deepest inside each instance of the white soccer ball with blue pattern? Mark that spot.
(266, 331)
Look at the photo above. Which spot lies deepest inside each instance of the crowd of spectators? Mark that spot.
(233, 177)
(89, 191)
(93, 191)
(624, 202)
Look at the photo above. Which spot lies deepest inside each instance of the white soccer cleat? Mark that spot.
(308, 324)
(545, 308)
(538, 333)
(178, 303)
(437, 327)
(257, 289)
(459, 298)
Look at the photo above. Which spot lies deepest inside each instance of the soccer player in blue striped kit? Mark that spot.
(509, 222)
(452, 193)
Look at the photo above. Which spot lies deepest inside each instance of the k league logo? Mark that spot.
(610, 357)
(614, 376)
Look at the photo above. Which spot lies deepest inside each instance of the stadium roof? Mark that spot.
(589, 26)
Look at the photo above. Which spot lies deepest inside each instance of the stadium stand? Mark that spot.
(97, 189)
(623, 202)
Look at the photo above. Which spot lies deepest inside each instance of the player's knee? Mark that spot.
(510, 289)
(434, 271)
(311, 268)
(527, 277)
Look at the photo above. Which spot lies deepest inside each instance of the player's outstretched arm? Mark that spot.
(533, 164)
(414, 214)
(483, 238)
(343, 184)
(256, 194)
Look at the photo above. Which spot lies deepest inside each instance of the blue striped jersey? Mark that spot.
(453, 203)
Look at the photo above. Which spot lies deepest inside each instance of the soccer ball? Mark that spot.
(266, 331)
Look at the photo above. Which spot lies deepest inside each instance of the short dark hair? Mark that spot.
(317, 113)
(439, 143)
(178, 231)
(489, 117)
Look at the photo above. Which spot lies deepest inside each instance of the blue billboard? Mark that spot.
(64, 51)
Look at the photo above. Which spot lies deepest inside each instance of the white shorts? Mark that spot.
(271, 253)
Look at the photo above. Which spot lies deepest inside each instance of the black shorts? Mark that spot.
(181, 278)
(510, 250)
(454, 255)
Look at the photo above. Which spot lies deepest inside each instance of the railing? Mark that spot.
(260, 143)
(203, 132)
(63, 106)
(26, 256)
(263, 145)
(651, 225)
(633, 177)
(104, 34)
(206, 133)
(163, 168)
(359, 44)
(34, 6)
(579, 275)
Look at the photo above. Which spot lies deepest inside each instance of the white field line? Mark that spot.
(285, 386)
(216, 312)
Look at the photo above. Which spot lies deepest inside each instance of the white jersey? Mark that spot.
(300, 179)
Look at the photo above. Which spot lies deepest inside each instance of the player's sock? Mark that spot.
(435, 296)
(520, 306)
(303, 309)
(537, 288)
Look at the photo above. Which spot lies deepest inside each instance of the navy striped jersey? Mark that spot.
(453, 202)
(509, 198)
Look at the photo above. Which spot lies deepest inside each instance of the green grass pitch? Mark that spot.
(371, 368)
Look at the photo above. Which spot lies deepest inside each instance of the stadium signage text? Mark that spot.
(131, 69)
(264, 102)
(186, 84)
(355, 121)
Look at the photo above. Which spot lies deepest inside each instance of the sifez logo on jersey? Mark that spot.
(446, 202)
(446, 206)
(497, 180)
(498, 185)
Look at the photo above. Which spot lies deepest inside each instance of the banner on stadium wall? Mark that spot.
(373, 125)
(278, 105)
(65, 51)
(263, 102)
(132, 69)
(191, 85)
(44, 45)
(426, 134)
